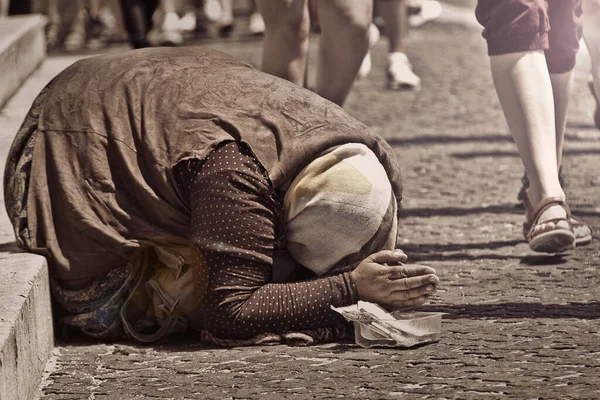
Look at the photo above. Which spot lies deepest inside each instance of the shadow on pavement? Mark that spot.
(462, 211)
(10, 247)
(580, 126)
(448, 139)
(510, 208)
(438, 252)
(518, 310)
(542, 259)
(458, 251)
(500, 153)
(429, 140)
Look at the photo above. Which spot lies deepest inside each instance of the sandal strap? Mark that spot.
(528, 207)
(542, 206)
(548, 202)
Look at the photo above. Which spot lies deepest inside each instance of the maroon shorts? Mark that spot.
(512, 26)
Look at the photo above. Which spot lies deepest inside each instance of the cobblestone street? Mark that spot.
(518, 324)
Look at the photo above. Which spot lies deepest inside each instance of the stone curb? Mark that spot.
(22, 49)
(26, 331)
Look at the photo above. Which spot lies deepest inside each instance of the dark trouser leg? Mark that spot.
(137, 15)
(17, 7)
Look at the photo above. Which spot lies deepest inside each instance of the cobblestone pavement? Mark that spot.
(519, 325)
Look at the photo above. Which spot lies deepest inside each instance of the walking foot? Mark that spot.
(548, 228)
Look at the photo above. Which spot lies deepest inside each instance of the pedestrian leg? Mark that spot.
(285, 45)
(399, 69)
(343, 45)
(591, 34)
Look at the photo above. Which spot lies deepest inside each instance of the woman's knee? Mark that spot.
(591, 11)
(351, 18)
(286, 19)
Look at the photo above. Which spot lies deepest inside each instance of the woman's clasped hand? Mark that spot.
(382, 278)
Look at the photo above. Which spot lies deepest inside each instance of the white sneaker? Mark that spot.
(225, 25)
(212, 9)
(367, 63)
(365, 67)
(374, 35)
(170, 22)
(257, 24)
(187, 23)
(430, 10)
(171, 33)
(400, 74)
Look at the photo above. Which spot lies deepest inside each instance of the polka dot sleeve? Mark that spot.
(234, 218)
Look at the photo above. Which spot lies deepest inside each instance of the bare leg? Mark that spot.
(285, 46)
(225, 21)
(4, 8)
(76, 37)
(168, 6)
(591, 34)
(54, 24)
(52, 12)
(227, 9)
(395, 23)
(562, 85)
(343, 45)
(94, 7)
(399, 70)
(525, 92)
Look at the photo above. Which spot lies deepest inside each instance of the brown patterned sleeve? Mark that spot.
(234, 217)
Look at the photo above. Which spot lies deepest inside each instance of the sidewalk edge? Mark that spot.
(26, 329)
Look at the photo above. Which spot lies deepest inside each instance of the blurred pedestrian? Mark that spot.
(86, 28)
(80, 27)
(221, 12)
(591, 34)
(344, 42)
(15, 7)
(180, 208)
(532, 46)
(422, 11)
(137, 16)
(256, 24)
(169, 30)
(395, 17)
(399, 70)
(53, 25)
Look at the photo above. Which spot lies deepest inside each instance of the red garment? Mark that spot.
(513, 26)
(235, 223)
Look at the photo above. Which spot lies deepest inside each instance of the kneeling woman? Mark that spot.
(180, 188)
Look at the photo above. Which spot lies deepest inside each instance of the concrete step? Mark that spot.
(26, 334)
(22, 49)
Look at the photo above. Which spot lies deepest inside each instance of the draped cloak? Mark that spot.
(111, 129)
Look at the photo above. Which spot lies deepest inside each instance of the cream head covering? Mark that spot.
(339, 204)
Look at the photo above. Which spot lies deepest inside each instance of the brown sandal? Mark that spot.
(551, 240)
(583, 232)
